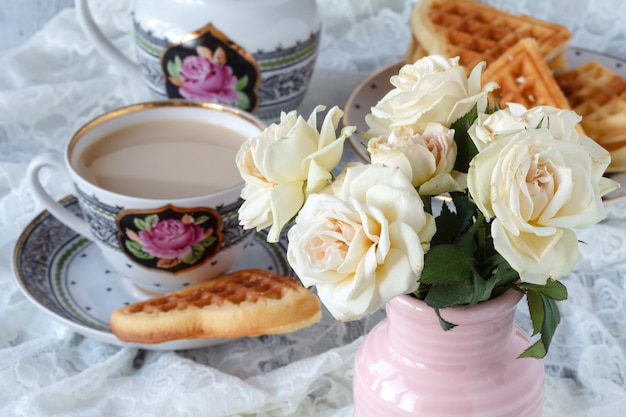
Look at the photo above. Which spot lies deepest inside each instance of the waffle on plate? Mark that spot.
(525, 78)
(526, 57)
(249, 302)
(599, 95)
(477, 32)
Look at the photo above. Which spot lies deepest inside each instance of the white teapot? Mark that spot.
(257, 55)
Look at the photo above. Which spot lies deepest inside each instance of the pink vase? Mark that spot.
(408, 366)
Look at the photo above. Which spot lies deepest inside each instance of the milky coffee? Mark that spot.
(164, 159)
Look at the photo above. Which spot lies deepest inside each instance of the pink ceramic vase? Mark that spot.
(408, 366)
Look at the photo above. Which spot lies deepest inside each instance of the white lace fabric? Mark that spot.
(57, 81)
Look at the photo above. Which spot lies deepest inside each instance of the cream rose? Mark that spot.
(363, 243)
(286, 163)
(538, 187)
(433, 89)
(427, 159)
(489, 127)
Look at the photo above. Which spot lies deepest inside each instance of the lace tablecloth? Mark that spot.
(57, 81)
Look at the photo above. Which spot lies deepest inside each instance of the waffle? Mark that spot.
(525, 78)
(599, 95)
(477, 32)
(590, 86)
(250, 302)
(607, 126)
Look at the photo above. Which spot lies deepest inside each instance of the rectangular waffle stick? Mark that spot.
(477, 32)
(249, 302)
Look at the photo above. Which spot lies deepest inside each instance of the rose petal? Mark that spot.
(537, 258)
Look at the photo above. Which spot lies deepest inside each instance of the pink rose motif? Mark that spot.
(205, 80)
(171, 239)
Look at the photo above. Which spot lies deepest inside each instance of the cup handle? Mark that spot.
(68, 218)
(104, 45)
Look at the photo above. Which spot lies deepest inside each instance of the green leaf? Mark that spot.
(498, 270)
(152, 219)
(243, 101)
(483, 288)
(446, 264)
(207, 241)
(442, 296)
(535, 307)
(173, 67)
(242, 83)
(195, 254)
(473, 240)
(467, 243)
(202, 219)
(466, 211)
(466, 150)
(428, 203)
(544, 314)
(141, 224)
(422, 291)
(136, 249)
(147, 222)
(445, 324)
(552, 289)
(552, 318)
(447, 227)
(537, 350)
(495, 263)
(504, 280)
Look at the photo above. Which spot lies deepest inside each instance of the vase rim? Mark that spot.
(482, 311)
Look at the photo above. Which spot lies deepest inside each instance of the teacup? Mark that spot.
(159, 189)
(257, 55)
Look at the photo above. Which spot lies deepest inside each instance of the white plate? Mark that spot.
(367, 94)
(66, 275)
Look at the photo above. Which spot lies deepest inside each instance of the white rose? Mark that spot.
(561, 123)
(433, 89)
(284, 164)
(488, 128)
(538, 187)
(364, 244)
(427, 159)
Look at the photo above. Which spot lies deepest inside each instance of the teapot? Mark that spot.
(256, 55)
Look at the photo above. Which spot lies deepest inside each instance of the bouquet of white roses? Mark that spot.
(509, 186)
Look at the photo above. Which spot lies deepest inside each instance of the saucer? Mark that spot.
(372, 89)
(66, 276)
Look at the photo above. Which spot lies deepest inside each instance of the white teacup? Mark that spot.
(256, 55)
(159, 189)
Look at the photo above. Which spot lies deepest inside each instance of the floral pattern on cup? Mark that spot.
(170, 239)
(210, 67)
